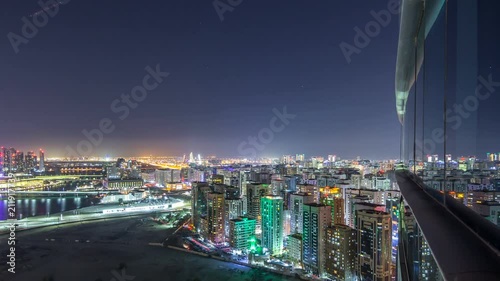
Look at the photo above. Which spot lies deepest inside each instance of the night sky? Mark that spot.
(225, 78)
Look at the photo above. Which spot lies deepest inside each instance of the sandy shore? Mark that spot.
(53, 251)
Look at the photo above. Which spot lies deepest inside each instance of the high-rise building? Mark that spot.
(272, 224)
(489, 210)
(163, 177)
(287, 159)
(373, 245)
(9, 163)
(338, 210)
(341, 252)
(332, 158)
(199, 202)
(2, 153)
(381, 183)
(294, 249)
(296, 206)
(41, 167)
(234, 208)
(255, 191)
(356, 180)
(291, 183)
(176, 175)
(214, 230)
(299, 157)
(286, 221)
(317, 217)
(424, 265)
(337, 204)
(30, 161)
(350, 203)
(241, 230)
(19, 161)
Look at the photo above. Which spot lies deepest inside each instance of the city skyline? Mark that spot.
(250, 140)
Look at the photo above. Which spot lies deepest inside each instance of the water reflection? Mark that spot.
(43, 206)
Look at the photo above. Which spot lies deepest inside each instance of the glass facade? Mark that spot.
(449, 118)
(447, 98)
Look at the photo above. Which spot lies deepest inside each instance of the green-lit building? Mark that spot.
(241, 231)
(271, 207)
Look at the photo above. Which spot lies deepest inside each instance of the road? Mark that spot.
(74, 216)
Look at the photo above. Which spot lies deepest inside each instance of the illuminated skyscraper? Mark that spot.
(317, 217)
(332, 158)
(255, 191)
(19, 165)
(214, 229)
(272, 224)
(30, 161)
(199, 202)
(296, 206)
(2, 153)
(337, 204)
(373, 245)
(234, 208)
(41, 167)
(9, 160)
(338, 210)
(340, 252)
(299, 157)
(241, 231)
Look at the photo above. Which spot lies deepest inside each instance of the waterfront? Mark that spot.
(46, 206)
(112, 244)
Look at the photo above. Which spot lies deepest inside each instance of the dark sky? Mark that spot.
(225, 77)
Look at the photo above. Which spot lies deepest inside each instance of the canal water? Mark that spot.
(31, 207)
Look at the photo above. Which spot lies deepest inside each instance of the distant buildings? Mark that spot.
(489, 210)
(165, 176)
(123, 184)
(41, 167)
(15, 161)
(381, 183)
